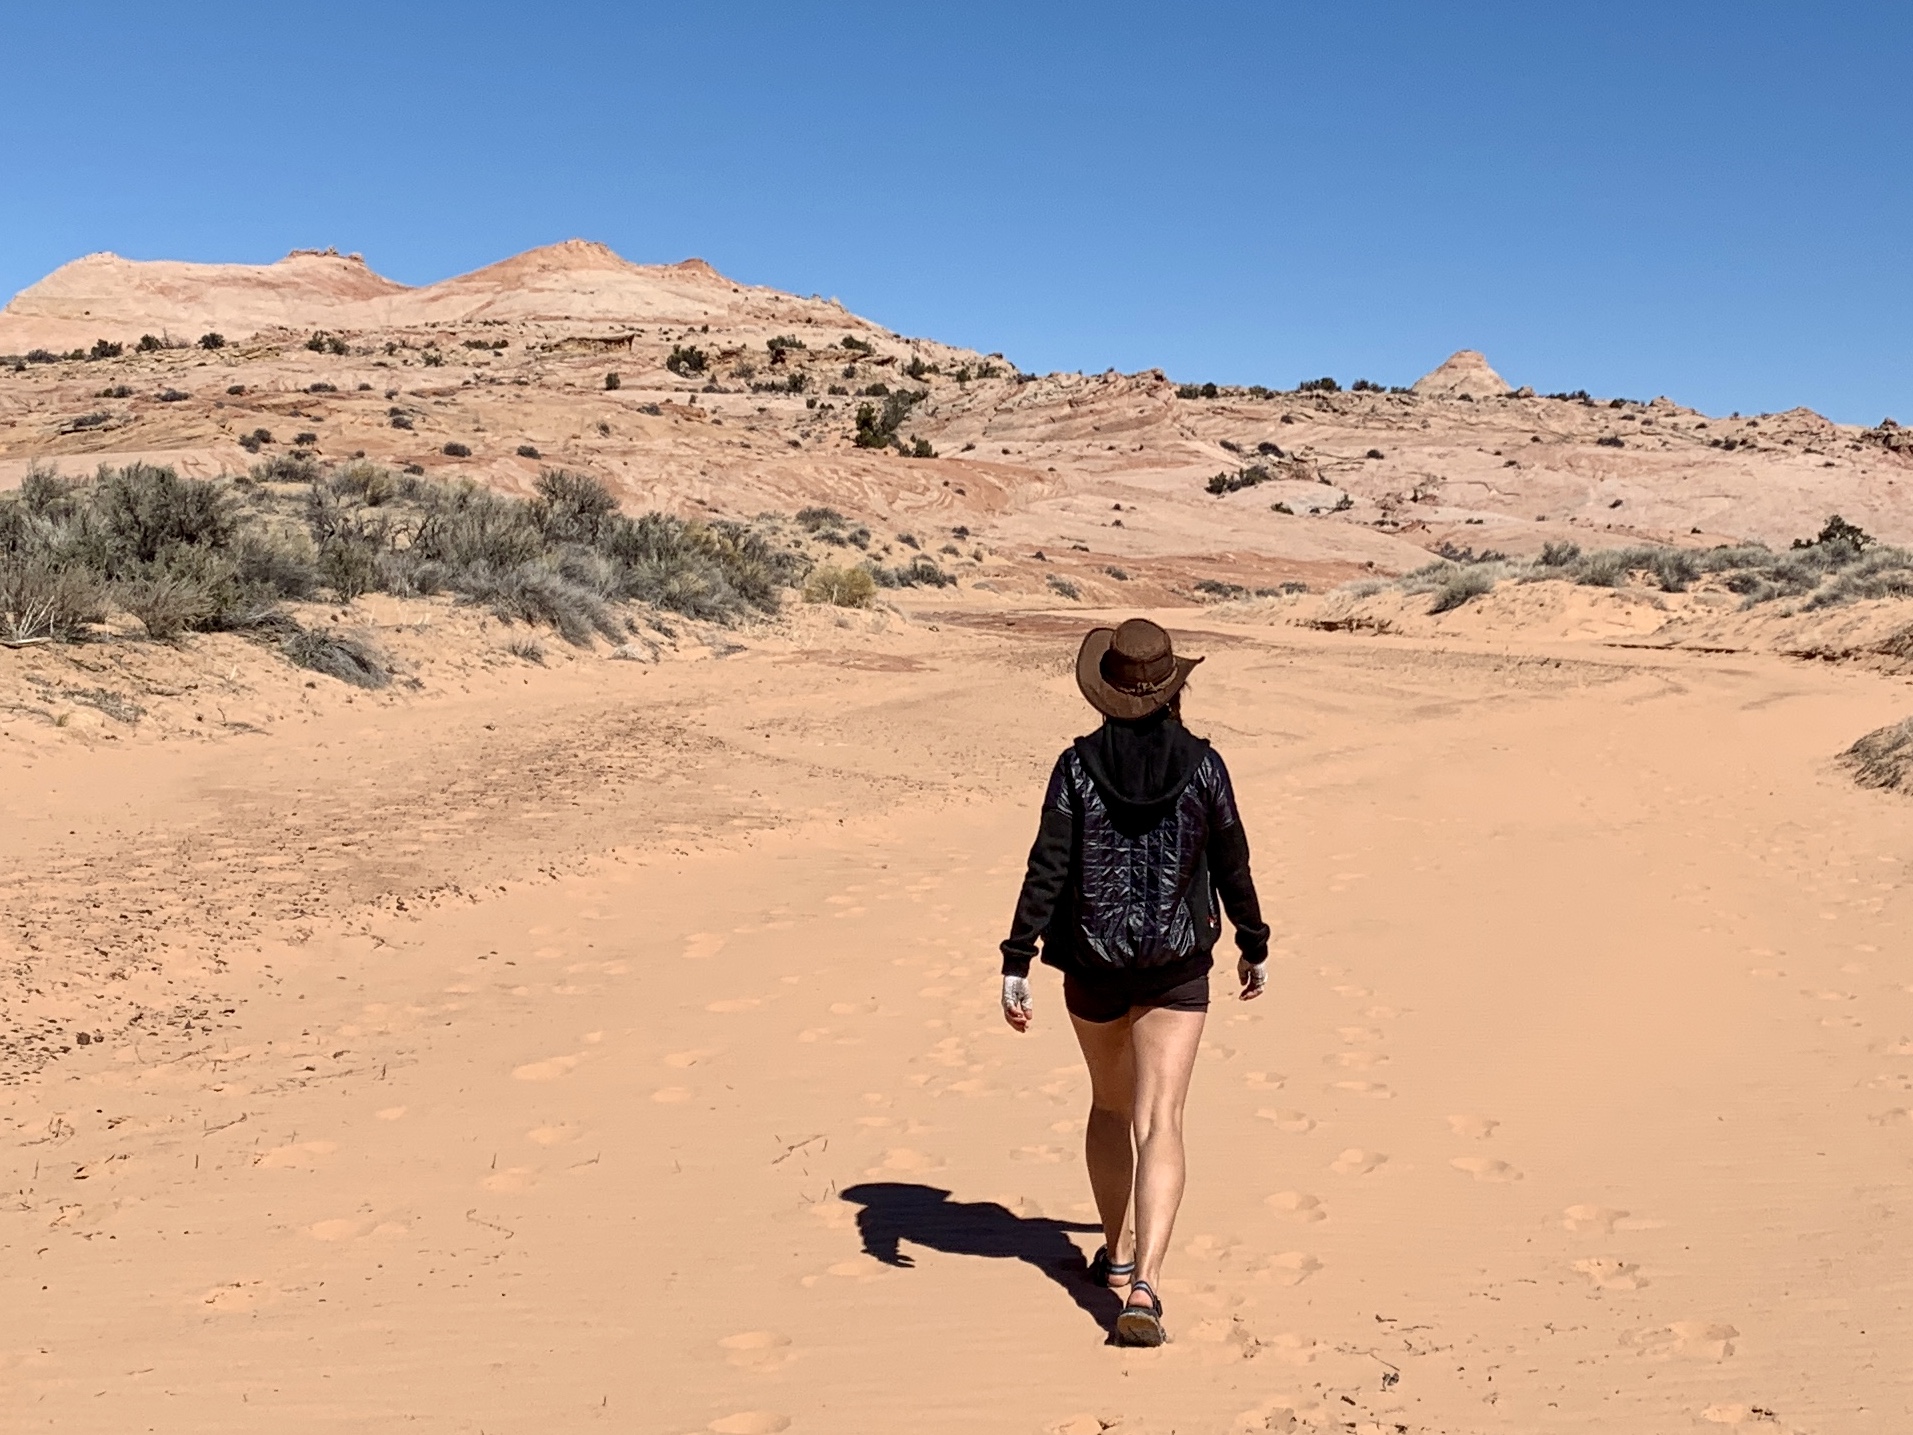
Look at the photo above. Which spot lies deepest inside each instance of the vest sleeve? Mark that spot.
(1043, 879)
(1229, 868)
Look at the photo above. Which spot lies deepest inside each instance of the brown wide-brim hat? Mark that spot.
(1131, 671)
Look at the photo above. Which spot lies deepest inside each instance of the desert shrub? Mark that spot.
(987, 370)
(1558, 555)
(814, 519)
(1363, 386)
(612, 381)
(529, 649)
(1465, 582)
(783, 342)
(1323, 385)
(1610, 440)
(919, 572)
(1119, 574)
(43, 601)
(172, 396)
(877, 428)
(456, 450)
(571, 507)
(305, 438)
(105, 349)
(286, 468)
(1216, 588)
(685, 361)
(1063, 586)
(166, 604)
(842, 587)
(94, 420)
(399, 420)
(212, 341)
(322, 388)
(431, 358)
(526, 450)
(920, 448)
(856, 345)
(148, 344)
(118, 391)
(1375, 453)
(1849, 539)
(1883, 758)
(350, 659)
(1226, 482)
(916, 368)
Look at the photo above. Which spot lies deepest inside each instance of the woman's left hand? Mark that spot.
(1254, 976)
(1018, 1005)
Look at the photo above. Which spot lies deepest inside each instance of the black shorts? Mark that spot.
(1102, 997)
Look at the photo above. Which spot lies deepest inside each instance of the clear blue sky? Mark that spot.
(1711, 201)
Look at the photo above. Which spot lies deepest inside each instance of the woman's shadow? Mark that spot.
(897, 1211)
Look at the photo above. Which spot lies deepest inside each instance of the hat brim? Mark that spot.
(1113, 702)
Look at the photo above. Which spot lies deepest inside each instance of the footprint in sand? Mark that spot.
(549, 1069)
(1747, 1415)
(1356, 1162)
(685, 1059)
(346, 1228)
(700, 945)
(734, 1004)
(1264, 1080)
(389, 1113)
(1700, 1339)
(1357, 1035)
(1898, 1116)
(756, 1349)
(750, 1422)
(1286, 1119)
(299, 1156)
(240, 1296)
(1475, 1128)
(1375, 1090)
(1355, 1060)
(1483, 1169)
(512, 1178)
(903, 1160)
(1297, 1206)
(1212, 1248)
(1610, 1273)
(1591, 1218)
(1048, 1155)
(671, 1095)
(553, 1135)
(1290, 1268)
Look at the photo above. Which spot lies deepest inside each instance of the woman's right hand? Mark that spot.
(1018, 1005)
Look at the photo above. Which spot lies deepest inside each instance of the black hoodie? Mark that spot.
(1142, 773)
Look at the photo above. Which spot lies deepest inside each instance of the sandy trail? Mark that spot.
(1580, 1100)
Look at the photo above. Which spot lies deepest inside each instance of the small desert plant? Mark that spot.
(105, 349)
(612, 381)
(350, 659)
(529, 649)
(841, 587)
(212, 341)
(1119, 574)
(1062, 585)
(526, 450)
(919, 572)
(685, 361)
(148, 344)
(235, 389)
(118, 391)
(1463, 584)
(1323, 385)
(856, 345)
(172, 396)
(456, 450)
(40, 601)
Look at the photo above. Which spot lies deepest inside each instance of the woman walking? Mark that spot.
(1139, 835)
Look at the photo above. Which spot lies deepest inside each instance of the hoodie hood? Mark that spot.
(1140, 768)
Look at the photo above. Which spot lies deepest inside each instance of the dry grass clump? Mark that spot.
(1883, 757)
(350, 659)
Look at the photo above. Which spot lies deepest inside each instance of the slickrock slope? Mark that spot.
(1095, 471)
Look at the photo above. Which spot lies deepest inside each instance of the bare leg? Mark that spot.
(1106, 1143)
(1164, 1045)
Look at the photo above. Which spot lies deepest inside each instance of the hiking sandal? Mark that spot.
(1141, 1325)
(1102, 1269)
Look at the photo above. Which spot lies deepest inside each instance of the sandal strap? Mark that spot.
(1155, 1300)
